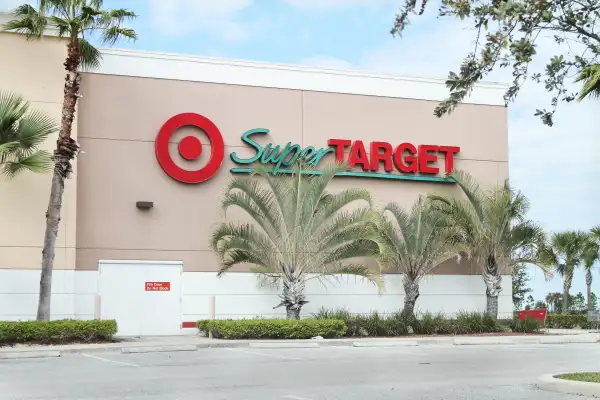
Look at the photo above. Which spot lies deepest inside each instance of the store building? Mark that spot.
(151, 268)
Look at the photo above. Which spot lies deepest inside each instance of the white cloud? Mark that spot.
(181, 17)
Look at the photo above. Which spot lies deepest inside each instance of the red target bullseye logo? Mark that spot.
(190, 148)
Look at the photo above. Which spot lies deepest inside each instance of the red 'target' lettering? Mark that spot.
(358, 155)
(449, 151)
(408, 163)
(425, 158)
(377, 157)
(340, 148)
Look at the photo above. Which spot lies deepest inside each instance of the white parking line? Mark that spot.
(110, 361)
(263, 354)
(295, 397)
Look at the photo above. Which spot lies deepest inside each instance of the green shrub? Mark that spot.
(474, 322)
(528, 325)
(54, 332)
(568, 321)
(273, 328)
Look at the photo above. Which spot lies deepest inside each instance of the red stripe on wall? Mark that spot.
(189, 324)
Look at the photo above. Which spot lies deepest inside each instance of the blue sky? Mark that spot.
(557, 168)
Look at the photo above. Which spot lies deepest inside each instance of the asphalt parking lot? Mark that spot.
(448, 373)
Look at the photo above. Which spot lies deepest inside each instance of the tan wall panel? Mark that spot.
(34, 70)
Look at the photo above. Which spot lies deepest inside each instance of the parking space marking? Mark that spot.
(265, 355)
(110, 361)
(295, 397)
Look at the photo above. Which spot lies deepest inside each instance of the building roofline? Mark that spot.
(160, 65)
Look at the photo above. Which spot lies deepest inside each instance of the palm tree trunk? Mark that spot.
(66, 150)
(292, 296)
(411, 294)
(568, 279)
(493, 284)
(588, 283)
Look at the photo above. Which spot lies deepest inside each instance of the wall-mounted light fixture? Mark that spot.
(144, 205)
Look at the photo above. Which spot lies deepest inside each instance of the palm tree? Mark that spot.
(76, 21)
(415, 244)
(299, 231)
(591, 254)
(564, 253)
(590, 76)
(492, 228)
(21, 133)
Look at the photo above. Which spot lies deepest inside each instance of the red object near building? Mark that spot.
(539, 315)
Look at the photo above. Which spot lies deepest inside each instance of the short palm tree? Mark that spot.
(75, 21)
(591, 254)
(415, 243)
(299, 231)
(492, 227)
(590, 76)
(563, 253)
(22, 131)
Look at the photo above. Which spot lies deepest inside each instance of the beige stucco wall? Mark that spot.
(35, 70)
(120, 117)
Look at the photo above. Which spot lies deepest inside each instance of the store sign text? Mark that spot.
(372, 157)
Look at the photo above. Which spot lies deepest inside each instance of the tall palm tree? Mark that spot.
(564, 252)
(591, 254)
(590, 76)
(299, 231)
(22, 131)
(492, 227)
(76, 21)
(415, 243)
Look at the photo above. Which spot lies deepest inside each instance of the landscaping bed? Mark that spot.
(66, 331)
(339, 323)
(593, 377)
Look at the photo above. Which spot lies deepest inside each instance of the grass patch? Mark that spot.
(593, 377)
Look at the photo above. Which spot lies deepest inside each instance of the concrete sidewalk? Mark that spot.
(193, 343)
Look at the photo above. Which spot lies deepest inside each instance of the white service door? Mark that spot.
(143, 296)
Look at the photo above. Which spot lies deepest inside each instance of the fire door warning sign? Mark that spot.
(158, 286)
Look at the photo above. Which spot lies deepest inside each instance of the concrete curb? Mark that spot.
(389, 343)
(284, 345)
(29, 354)
(552, 384)
(152, 347)
(158, 349)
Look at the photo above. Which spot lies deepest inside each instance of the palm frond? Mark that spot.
(21, 133)
(590, 76)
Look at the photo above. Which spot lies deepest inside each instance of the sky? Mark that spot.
(557, 168)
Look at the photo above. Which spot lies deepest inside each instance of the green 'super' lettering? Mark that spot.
(277, 156)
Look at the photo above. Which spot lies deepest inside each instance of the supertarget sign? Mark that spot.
(380, 160)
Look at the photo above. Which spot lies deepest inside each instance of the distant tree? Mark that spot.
(564, 253)
(530, 302)
(554, 301)
(540, 304)
(22, 131)
(508, 36)
(520, 278)
(577, 304)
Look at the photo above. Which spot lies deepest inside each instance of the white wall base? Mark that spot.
(237, 295)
